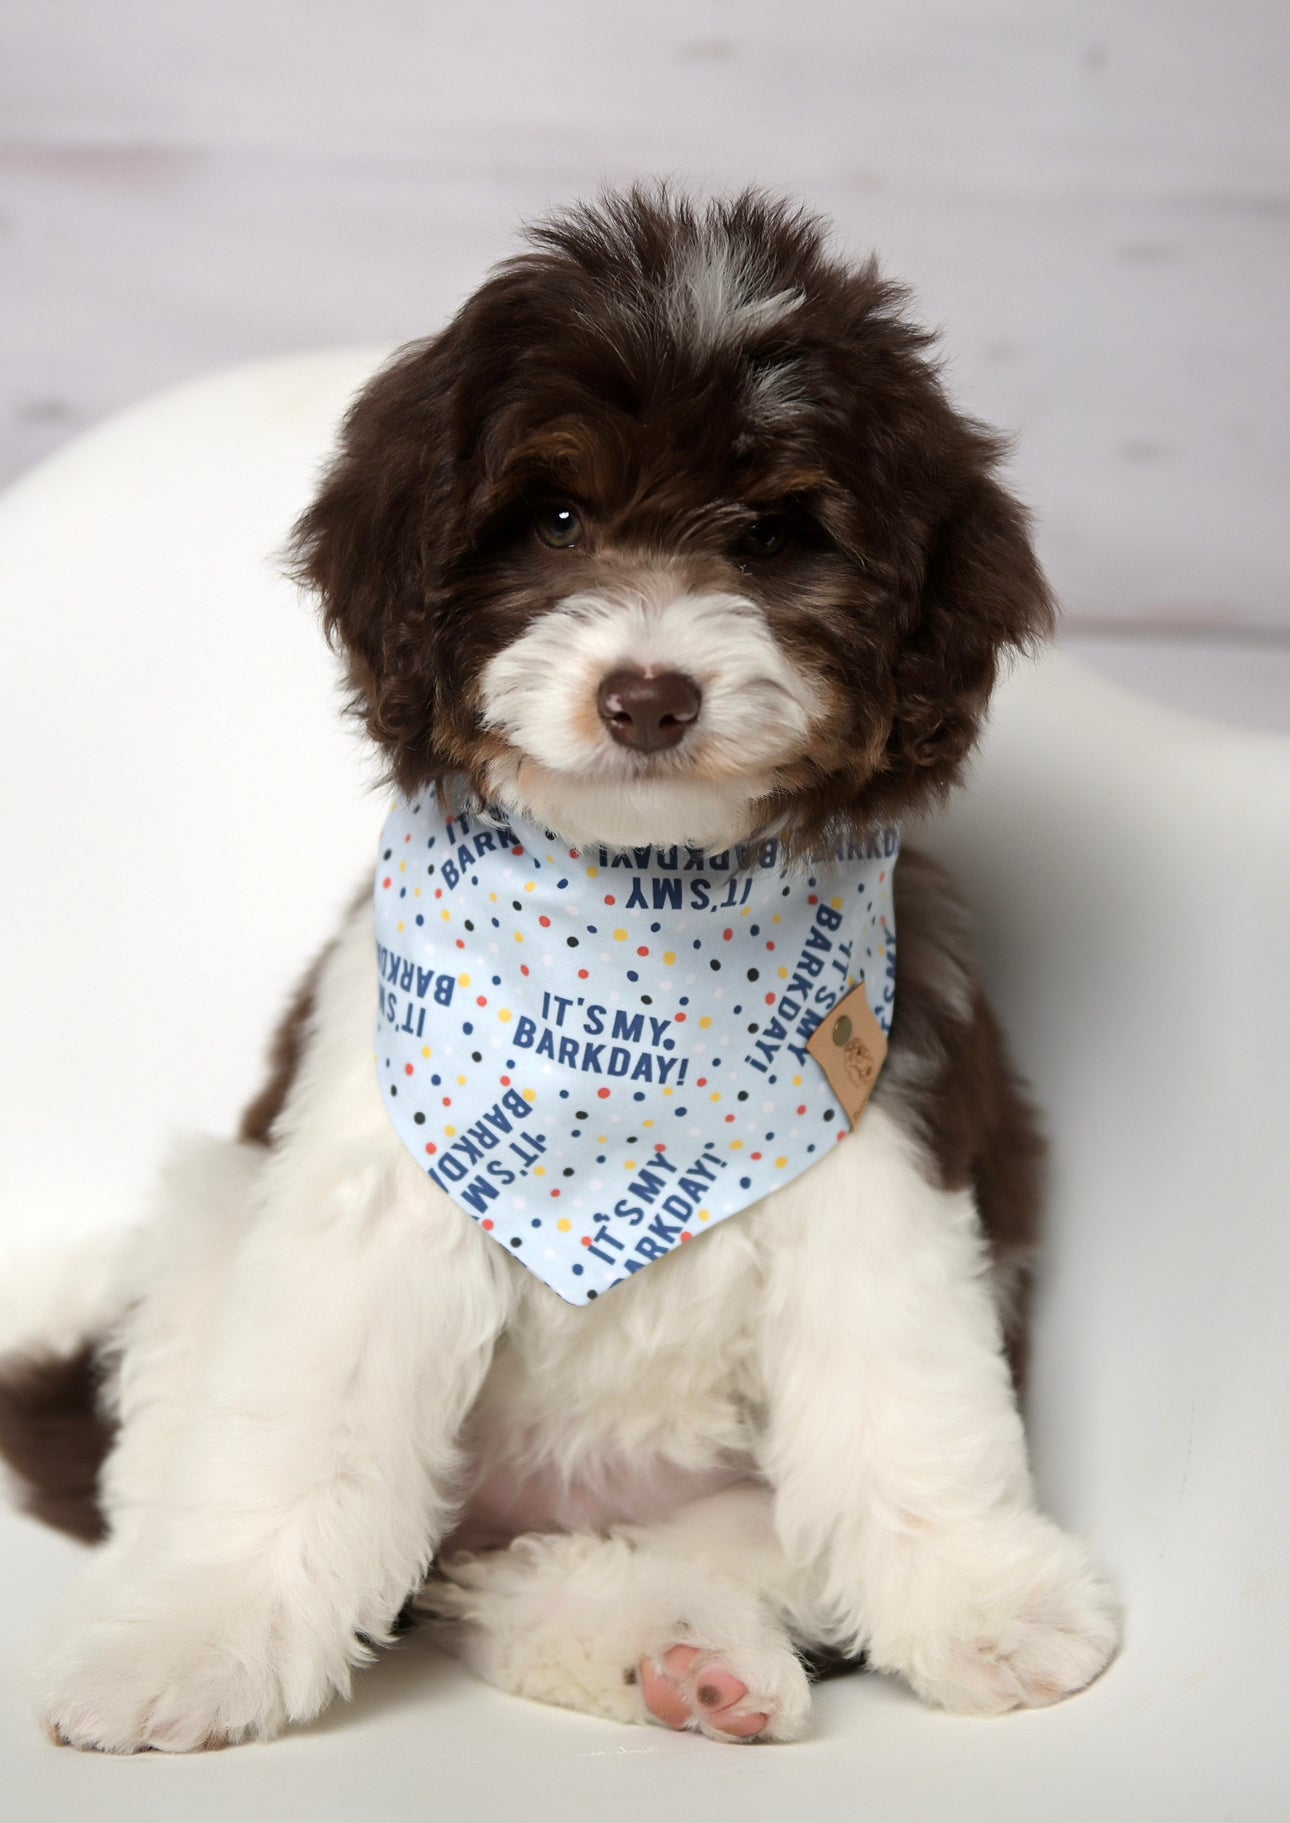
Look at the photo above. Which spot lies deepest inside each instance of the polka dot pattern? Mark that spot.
(599, 1054)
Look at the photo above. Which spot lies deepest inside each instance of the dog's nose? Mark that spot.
(648, 712)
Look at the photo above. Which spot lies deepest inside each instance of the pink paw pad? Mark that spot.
(689, 1688)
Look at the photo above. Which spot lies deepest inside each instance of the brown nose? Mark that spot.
(648, 712)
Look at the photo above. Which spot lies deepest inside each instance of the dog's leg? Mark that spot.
(895, 1447)
(312, 1467)
(675, 1623)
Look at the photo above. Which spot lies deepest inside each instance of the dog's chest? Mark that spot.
(623, 1411)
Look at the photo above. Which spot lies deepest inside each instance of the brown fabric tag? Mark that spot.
(849, 1046)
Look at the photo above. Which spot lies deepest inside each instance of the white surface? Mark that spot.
(1091, 194)
(165, 711)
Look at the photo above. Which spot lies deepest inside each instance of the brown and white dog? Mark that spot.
(670, 537)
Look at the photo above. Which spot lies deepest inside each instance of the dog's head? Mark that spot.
(672, 535)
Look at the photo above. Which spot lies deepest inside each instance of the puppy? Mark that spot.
(646, 1310)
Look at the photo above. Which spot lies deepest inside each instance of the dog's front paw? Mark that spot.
(1012, 1619)
(178, 1671)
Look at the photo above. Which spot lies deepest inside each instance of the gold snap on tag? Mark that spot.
(842, 1030)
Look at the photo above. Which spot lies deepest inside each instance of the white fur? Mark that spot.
(540, 692)
(718, 296)
(331, 1366)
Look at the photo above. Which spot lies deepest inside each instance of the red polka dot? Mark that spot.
(524, 968)
(642, 951)
(660, 1146)
(729, 1118)
(447, 1101)
(802, 1109)
(487, 1223)
(586, 1240)
(461, 943)
(770, 1000)
(756, 1155)
(680, 1019)
(431, 1148)
(686, 1235)
(555, 1193)
(603, 1094)
(726, 935)
(582, 974)
(481, 999)
(702, 1082)
(386, 880)
(407, 838)
(407, 1069)
(438, 892)
(610, 899)
(517, 850)
(575, 854)
(545, 922)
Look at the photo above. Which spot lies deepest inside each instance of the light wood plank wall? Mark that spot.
(1093, 197)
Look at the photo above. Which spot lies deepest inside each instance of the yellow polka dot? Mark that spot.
(400, 925)
(416, 892)
(505, 1015)
(780, 1163)
(736, 1145)
(797, 1082)
(463, 981)
(564, 1224)
(403, 867)
(461, 1082)
(593, 873)
(705, 1215)
(603, 1140)
(528, 886)
(451, 1132)
(715, 1095)
(747, 912)
(530, 1094)
(647, 1123)
(539, 1170)
(620, 936)
(775, 919)
(669, 1093)
(783, 974)
(836, 904)
(446, 916)
(669, 957)
(630, 1165)
(492, 898)
(519, 936)
(426, 1051)
(704, 1023)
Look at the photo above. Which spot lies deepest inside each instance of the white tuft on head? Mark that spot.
(717, 296)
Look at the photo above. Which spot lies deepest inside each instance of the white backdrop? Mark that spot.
(1091, 194)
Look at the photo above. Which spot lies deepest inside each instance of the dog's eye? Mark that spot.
(765, 537)
(559, 526)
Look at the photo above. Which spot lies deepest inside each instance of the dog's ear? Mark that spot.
(372, 543)
(981, 594)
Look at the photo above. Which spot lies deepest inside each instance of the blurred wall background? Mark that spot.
(1092, 197)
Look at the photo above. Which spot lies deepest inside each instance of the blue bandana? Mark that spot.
(599, 1054)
